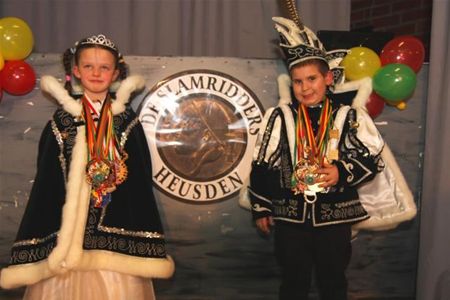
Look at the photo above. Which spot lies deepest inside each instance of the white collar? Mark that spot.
(52, 86)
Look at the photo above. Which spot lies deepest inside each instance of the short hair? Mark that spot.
(322, 65)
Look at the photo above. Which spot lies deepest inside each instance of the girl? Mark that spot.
(91, 229)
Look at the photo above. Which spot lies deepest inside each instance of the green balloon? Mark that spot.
(394, 82)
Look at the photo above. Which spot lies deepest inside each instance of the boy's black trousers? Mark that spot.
(300, 248)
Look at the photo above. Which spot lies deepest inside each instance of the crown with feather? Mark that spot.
(299, 43)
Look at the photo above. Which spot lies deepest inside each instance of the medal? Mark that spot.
(106, 166)
(99, 172)
(305, 178)
(121, 169)
(311, 151)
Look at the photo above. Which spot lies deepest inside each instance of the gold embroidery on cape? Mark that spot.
(122, 231)
(36, 253)
(34, 241)
(116, 243)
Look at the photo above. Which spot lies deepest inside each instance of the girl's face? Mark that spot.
(309, 84)
(96, 70)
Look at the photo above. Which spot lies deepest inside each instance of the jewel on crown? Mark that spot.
(100, 40)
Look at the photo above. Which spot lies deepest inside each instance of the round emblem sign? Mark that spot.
(201, 127)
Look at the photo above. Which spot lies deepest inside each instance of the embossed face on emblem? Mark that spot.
(204, 138)
(201, 127)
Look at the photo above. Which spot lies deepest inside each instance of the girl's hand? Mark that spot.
(329, 175)
(264, 224)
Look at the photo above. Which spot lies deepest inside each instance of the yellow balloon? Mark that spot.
(360, 62)
(2, 61)
(16, 38)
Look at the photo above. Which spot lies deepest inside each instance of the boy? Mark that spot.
(311, 157)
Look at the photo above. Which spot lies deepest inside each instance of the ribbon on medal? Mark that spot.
(310, 152)
(106, 167)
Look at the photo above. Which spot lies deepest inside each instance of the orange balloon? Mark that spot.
(2, 61)
(400, 105)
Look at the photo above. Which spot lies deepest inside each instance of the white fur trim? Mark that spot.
(76, 247)
(52, 86)
(244, 199)
(27, 274)
(71, 206)
(284, 89)
(128, 86)
(364, 88)
(145, 267)
(289, 120)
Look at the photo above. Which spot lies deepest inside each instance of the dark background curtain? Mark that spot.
(234, 28)
(433, 280)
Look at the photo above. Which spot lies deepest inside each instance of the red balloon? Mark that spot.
(405, 49)
(17, 77)
(375, 105)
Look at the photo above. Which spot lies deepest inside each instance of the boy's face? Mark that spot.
(309, 84)
(96, 70)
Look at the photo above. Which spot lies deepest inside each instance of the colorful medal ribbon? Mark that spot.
(310, 149)
(106, 165)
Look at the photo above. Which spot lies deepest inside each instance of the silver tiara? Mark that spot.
(101, 40)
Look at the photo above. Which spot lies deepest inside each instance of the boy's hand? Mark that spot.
(264, 224)
(330, 175)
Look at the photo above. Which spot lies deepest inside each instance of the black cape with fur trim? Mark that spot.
(125, 236)
(132, 209)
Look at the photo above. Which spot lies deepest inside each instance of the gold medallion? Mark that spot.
(99, 172)
(305, 177)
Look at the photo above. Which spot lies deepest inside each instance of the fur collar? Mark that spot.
(52, 86)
